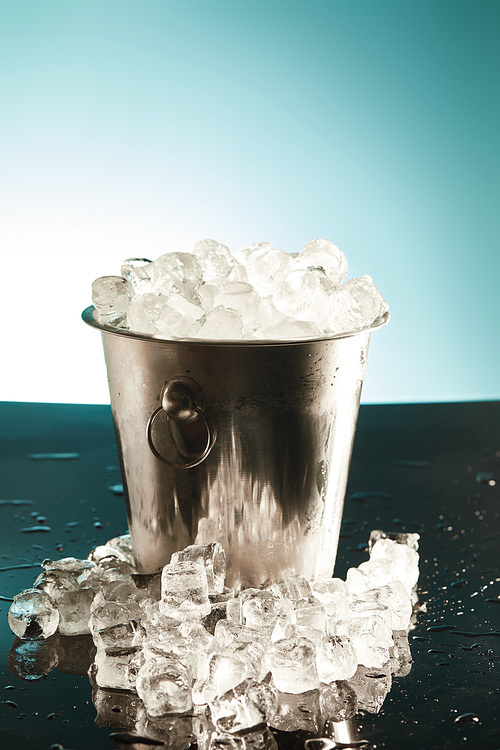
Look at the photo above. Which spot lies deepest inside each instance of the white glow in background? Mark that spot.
(132, 129)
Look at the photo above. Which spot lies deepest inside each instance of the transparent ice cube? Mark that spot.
(184, 590)
(137, 271)
(55, 583)
(292, 662)
(74, 611)
(216, 260)
(164, 684)
(338, 702)
(371, 688)
(175, 268)
(336, 658)
(355, 305)
(265, 266)
(297, 712)
(324, 256)
(221, 323)
(111, 296)
(289, 328)
(33, 614)
(213, 559)
(111, 668)
(143, 312)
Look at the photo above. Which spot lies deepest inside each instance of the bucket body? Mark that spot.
(244, 443)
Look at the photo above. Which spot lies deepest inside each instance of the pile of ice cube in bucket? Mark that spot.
(261, 293)
(187, 645)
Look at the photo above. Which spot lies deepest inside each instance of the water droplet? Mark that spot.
(468, 718)
(34, 529)
(12, 704)
(16, 502)
(54, 456)
(51, 716)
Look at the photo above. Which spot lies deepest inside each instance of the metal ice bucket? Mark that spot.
(245, 443)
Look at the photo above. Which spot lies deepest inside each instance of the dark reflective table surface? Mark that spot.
(429, 468)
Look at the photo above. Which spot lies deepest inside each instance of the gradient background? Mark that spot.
(136, 128)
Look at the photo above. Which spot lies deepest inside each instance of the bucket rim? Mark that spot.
(89, 319)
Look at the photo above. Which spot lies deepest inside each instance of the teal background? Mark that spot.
(135, 128)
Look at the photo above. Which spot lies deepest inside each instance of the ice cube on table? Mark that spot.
(116, 709)
(402, 558)
(213, 559)
(221, 323)
(55, 583)
(323, 256)
(401, 659)
(227, 631)
(74, 611)
(124, 544)
(265, 266)
(410, 539)
(336, 658)
(137, 271)
(108, 614)
(338, 702)
(111, 668)
(33, 614)
(370, 637)
(294, 587)
(310, 613)
(224, 670)
(396, 598)
(287, 629)
(355, 305)
(215, 259)
(164, 685)
(292, 662)
(262, 610)
(184, 590)
(111, 296)
(245, 706)
(115, 637)
(79, 569)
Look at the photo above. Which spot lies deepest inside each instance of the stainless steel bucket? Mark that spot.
(245, 443)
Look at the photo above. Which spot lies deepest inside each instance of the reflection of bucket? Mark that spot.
(247, 444)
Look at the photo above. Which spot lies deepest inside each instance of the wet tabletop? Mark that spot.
(433, 469)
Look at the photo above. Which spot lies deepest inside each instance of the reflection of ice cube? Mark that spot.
(337, 701)
(371, 688)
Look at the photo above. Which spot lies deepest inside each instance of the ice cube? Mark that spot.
(302, 295)
(180, 318)
(74, 611)
(288, 328)
(213, 559)
(175, 269)
(395, 597)
(265, 266)
(245, 706)
(292, 662)
(111, 296)
(401, 659)
(137, 271)
(310, 613)
(55, 583)
(115, 637)
(240, 297)
(124, 544)
(221, 323)
(216, 259)
(262, 610)
(324, 256)
(33, 614)
(184, 590)
(337, 701)
(79, 569)
(401, 538)
(336, 658)
(355, 305)
(402, 559)
(111, 668)
(294, 587)
(224, 670)
(164, 685)
(108, 614)
(143, 312)
(227, 631)
(370, 636)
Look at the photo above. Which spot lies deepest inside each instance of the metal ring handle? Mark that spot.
(190, 464)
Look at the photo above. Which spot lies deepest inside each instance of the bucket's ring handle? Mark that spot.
(178, 403)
